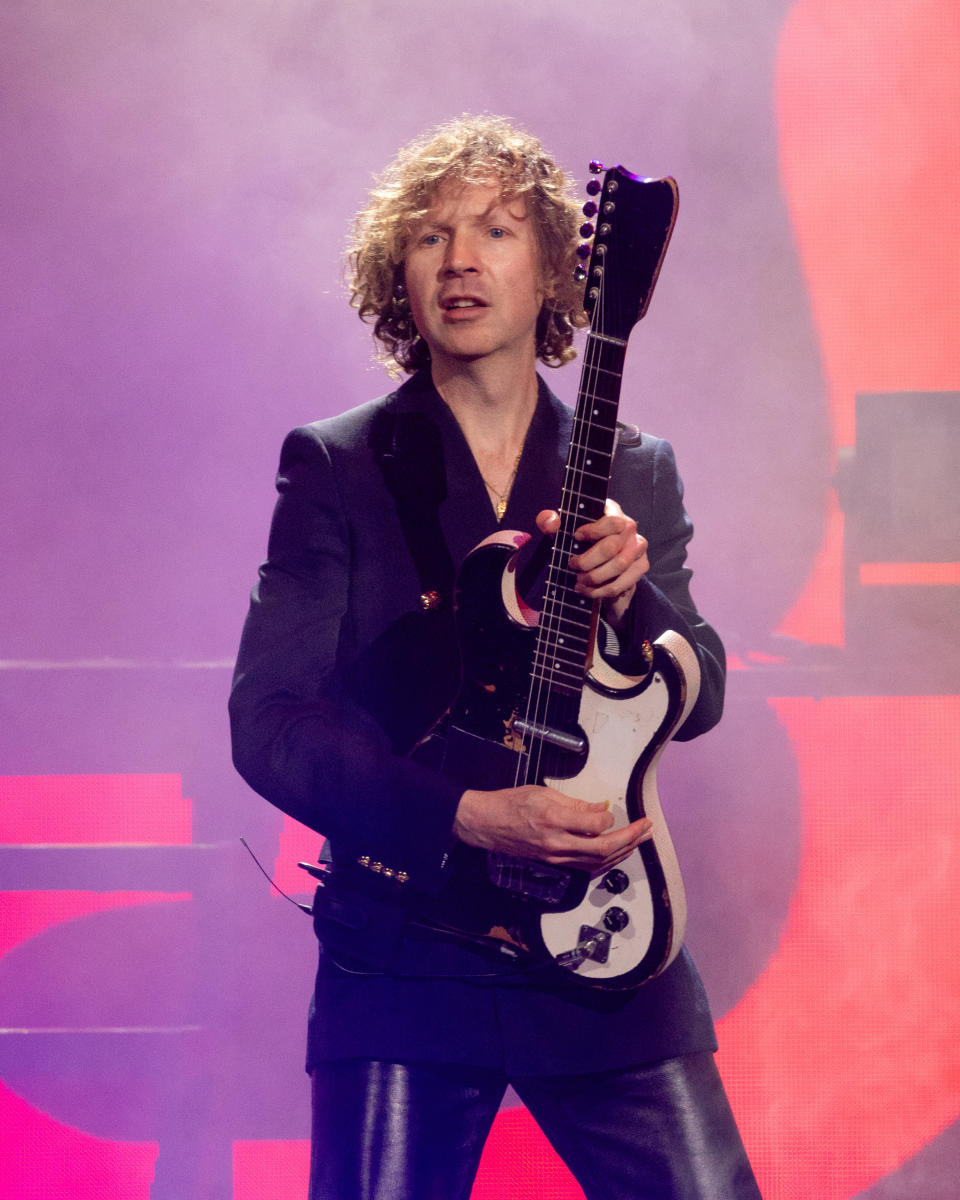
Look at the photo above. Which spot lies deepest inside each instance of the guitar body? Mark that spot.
(610, 742)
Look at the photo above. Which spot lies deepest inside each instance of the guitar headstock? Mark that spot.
(634, 219)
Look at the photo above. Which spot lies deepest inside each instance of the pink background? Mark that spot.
(175, 187)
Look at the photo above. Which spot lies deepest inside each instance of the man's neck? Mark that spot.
(492, 402)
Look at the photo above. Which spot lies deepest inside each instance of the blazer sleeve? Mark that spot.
(298, 739)
(663, 598)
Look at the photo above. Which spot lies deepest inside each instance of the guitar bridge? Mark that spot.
(546, 733)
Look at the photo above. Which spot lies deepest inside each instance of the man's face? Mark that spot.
(473, 276)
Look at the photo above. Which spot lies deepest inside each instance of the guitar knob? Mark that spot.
(586, 230)
(579, 273)
(596, 166)
(615, 919)
(589, 209)
(583, 250)
(594, 187)
(615, 881)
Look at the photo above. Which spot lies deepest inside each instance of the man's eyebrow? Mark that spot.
(498, 212)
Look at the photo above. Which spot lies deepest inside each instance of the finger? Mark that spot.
(548, 521)
(613, 587)
(613, 520)
(624, 546)
(596, 531)
(564, 821)
(596, 569)
(602, 851)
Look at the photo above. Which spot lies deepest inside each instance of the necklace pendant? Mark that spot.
(501, 509)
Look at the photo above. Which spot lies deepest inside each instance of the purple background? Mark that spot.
(176, 183)
(176, 188)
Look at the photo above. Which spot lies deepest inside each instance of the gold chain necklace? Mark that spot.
(502, 497)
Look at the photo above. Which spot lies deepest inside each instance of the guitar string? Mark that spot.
(530, 765)
(546, 668)
(545, 671)
(552, 615)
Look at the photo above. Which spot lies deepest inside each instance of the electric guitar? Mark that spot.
(538, 704)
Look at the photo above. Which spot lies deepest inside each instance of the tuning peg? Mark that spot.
(594, 187)
(583, 250)
(589, 209)
(596, 167)
(579, 273)
(586, 230)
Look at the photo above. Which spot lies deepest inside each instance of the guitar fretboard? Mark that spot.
(563, 636)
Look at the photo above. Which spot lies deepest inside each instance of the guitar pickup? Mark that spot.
(556, 737)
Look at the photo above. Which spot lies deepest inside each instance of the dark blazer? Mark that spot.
(339, 670)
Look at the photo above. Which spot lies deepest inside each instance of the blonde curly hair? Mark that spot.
(469, 150)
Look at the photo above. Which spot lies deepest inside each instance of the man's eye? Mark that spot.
(430, 239)
(497, 231)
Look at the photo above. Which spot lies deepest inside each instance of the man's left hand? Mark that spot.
(610, 568)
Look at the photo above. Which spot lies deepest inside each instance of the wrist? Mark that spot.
(615, 611)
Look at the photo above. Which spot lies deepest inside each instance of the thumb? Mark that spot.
(548, 521)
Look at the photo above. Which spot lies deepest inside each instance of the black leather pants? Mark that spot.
(396, 1131)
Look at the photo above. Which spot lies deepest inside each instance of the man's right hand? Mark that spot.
(542, 823)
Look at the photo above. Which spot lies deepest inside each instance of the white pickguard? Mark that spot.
(618, 730)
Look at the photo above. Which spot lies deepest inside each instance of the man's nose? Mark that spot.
(461, 256)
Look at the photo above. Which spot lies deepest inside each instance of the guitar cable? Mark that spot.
(318, 873)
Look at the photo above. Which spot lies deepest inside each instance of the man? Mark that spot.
(464, 260)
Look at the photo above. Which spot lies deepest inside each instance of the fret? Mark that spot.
(555, 674)
(596, 369)
(573, 608)
(603, 389)
(591, 468)
(566, 622)
(586, 510)
(600, 352)
(604, 478)
(561, 658)
(569, 633)
(561, 689)
(599, 409)
(600, 440)
(591, 487)
(602, 386)
(567, 653)
(577, 639)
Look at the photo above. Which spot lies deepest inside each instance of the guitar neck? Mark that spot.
(590, 458)
(566, 620)
(635, 218)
